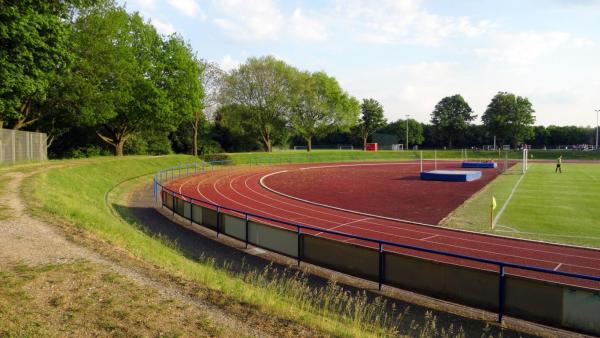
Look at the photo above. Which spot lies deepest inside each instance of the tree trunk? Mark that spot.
(1, 124)
(309, 144)
(22, 121)
(267, 141)
(119, 147)
(195, 138)
(365, 142)
(117, 139)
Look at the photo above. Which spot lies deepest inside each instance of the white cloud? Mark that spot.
(189, 8)
(404, 21)
(250, 20)
(227, 63)
(307, 27)
(162, 27)
(524, 48)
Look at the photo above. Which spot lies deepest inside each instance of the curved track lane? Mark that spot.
(240, 188)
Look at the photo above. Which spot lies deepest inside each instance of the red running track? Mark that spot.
(241, 189)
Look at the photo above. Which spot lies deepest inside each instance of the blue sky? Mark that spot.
(409, 54)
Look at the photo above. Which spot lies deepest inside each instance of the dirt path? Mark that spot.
(27, 241)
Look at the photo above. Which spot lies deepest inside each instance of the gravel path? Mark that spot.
(30, 241)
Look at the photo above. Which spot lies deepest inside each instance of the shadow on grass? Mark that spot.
(201, 248)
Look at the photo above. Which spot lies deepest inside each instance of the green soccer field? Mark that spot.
(539, 205)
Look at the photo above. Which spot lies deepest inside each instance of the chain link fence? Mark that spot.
(17, 146)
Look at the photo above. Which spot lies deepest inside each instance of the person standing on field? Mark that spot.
(558, 163)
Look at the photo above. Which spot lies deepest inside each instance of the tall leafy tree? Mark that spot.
(398, 128)
(126, 78)
(211, 77)
(510, 118)
(371, 119)
(34, 45)
(451, 118)
(262, 87)
(319, 106)
(183, 81)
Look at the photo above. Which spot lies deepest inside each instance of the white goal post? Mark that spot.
(345, 147)
(398, 146)
(525, 159)
(300, 147)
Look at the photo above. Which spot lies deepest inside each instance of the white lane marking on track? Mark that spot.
(202, 195)
(558, 267)
(416, 223)
(428, 237)
(406, 237)
(452, 237)
(509, 198)
(343, 224)
(248, 206)
(496, 253)
(462, 239)
(336, 208)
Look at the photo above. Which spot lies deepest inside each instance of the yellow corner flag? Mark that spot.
(493, 207)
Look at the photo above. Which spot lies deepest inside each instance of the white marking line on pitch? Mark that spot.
(347, 223)
(428, 238)
(558, 267)
(508, 199)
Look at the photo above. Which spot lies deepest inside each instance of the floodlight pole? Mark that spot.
(597, 110)
(407, 131)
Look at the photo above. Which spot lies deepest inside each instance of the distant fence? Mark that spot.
(497, 288)
(17, 146)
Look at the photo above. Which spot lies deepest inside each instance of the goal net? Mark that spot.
(345, 147)
(398, 146)
(300, 147)
(515, 162)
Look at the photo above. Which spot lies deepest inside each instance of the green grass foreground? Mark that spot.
(547, 206)
(77, 192)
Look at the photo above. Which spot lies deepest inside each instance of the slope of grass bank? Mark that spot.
(298, 156)
(77, 194)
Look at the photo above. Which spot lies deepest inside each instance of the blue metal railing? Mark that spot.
(380, 244)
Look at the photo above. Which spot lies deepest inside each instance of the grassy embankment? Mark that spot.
(77, 194)
(297, 156)
(545, 206)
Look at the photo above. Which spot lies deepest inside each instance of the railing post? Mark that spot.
(299, 245)
(191, 213)
(218, 220)
(173, 205)
(381, 266)
(501, 293)
(247, 223)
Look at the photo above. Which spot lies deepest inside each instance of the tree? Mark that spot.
(184, 84)
(262, 87)
(371, 119)
(34, 36)
(510, 118)
(398, 128)
(320, 106)
(126, 78)
(212, 80)
(451, 118)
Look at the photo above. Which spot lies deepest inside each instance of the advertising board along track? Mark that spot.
(427, 267)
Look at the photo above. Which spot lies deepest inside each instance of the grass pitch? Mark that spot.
(543, 205)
